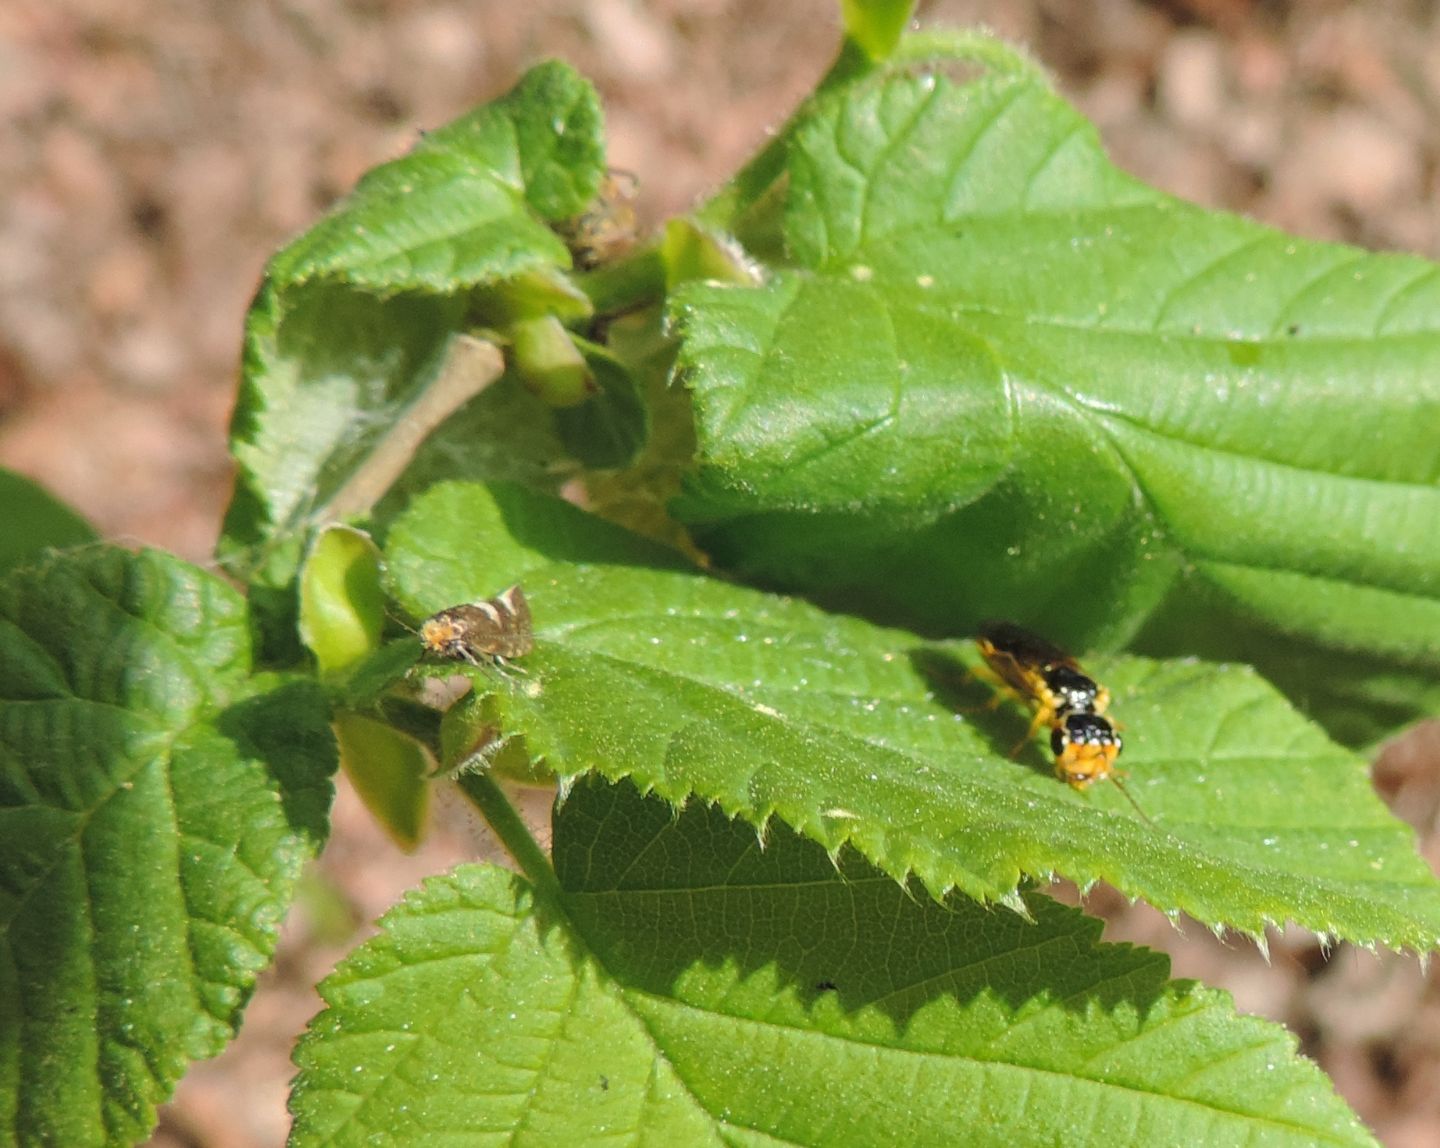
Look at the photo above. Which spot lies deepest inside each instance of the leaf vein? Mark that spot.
(1095, 1082)
(1191, 278)
(1423, 273)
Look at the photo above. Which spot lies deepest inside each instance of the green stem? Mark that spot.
(487, 796)
(635, 281)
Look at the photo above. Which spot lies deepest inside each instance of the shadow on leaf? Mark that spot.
(693, 906)
(959, 691)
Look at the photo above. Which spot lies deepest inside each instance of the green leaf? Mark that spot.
(1366, 696)
(35, 520)
(549, 364)
(856, 734)
(390, 773)
(342, 615)
(511, 534)
(157, 804)
(369, 681)
(342, 607)
(532, 295)
(462, 207)
(993, 376)
(692, 251)
(359, 328)
(687, 985)
(328, 373)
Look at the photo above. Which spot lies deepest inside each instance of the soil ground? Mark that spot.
(154, 152)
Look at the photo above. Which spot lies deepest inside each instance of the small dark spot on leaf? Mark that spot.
(826, 987)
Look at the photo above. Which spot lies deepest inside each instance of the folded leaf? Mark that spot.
(356, 324)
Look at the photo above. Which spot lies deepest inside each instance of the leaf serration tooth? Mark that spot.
(762, 830)
(936, 895)
(1014, 900)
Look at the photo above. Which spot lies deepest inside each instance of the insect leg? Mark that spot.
(1001, 690)
(1043, 717)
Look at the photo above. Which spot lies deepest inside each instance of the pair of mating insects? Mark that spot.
(1064, 697)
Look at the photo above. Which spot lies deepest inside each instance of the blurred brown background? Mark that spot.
(154, 152)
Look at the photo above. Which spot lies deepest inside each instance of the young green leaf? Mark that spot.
(156, 806)
(389, 771)
(342, 607)
(329, 374)
(468, 205)
(356, 324)
(993, 376)
(857, 734)
(549, 364)
(686, 984)
(35, 520)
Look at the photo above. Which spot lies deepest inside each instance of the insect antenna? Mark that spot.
(404, 625)
(1121, 786)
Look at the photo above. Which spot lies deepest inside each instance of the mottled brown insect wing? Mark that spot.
(482, 633)
(515, 634)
